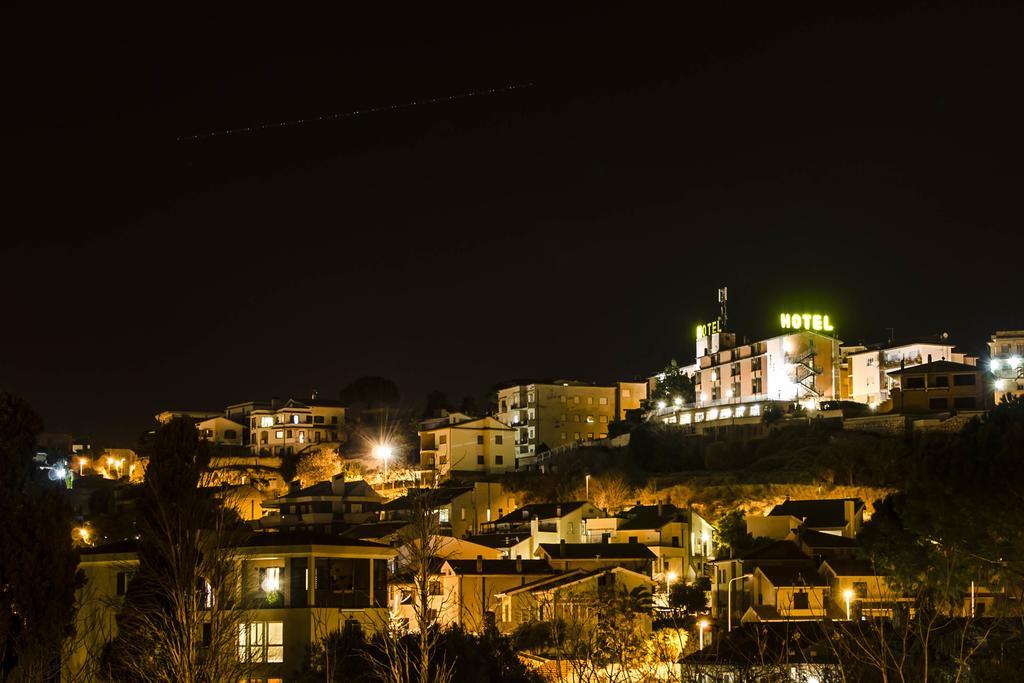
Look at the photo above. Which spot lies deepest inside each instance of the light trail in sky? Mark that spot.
(355, 112)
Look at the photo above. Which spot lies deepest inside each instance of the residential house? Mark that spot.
(731, 576)
(220, 431)
(467, 589)
(475, 446)
(568, 596)
(940, 386)
(787, 593)
(837, 516)
(295, 589)
(294, 426)
(870, 366)
(854, 584)
(679, 538)
(461, 509)
(328, 506)
(545, 523)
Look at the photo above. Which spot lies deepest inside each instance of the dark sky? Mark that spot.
(866, 164)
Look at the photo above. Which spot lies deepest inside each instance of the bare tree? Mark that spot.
(610, 491)
(318, 464)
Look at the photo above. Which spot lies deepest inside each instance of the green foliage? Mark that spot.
(676, 384)
(39, 570)
(732, 532)
(664, 448)
(690, 598)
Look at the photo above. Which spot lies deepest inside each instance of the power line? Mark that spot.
(353, 113)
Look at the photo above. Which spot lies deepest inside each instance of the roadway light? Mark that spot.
(993, 364)
(661, 405)
(703, 624)
(383, 452)
(848, 595)
(678, 400)
(1014, 362)
(81, 464)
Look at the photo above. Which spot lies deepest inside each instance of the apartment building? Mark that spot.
(870, 367)
(547, 415)
(463, 447)
(294, 426)
(940, 386)
(461, 509)
(523, 530)
(1006, 363)
(679, 538)
(293, 588)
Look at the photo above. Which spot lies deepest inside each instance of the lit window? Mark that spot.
(267, 421)
(295, 419)
(685, 419)
(302, 436)
(603, 418)
(725, 414)
(740, 410)
(603, 401)
(564, 436)
(279, 434)
(270, 579)
(713, 414)
(443, 516)
(755, 411)
(626, 394)
(698, 417)
(261, 641)
(590, 400)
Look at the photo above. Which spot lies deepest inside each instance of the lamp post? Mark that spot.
(586, 481)
(703, 624)
(81, 465)
(728, 590)
(669, 578)
(848, 595)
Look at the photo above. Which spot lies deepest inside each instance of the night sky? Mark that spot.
(867, 165)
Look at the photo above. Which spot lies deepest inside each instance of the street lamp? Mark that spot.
(670, 576)
(848, 595)
(383, 452)
(586, 481)
(728, 590)
(703, 624)
(81, 464)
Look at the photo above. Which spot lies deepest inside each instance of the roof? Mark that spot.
(936, 366)
(485, 423)
(374, 529)
(112, 548)
(822, 513)
(540, 511)
(432, 497)
(545, 582)
(270, 538)
(586, 551)
(498, 540)
(793, 642)
(819, 539)
(779, 550)
(647, 517)
(852, 567)
(501, 566)
(792, 576)
(326, 488)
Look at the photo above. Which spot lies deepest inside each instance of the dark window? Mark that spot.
(318, 419)
(122, 582)
(343, 582)
(480, 439)
(675, 541)
(230, 434)
(499, 439)
(334, 419)
(442, 439)
(634, 539)
(965, 403)
(756, 385)
(207, 634)
(433, 588)
(860, 589)
(298, 576)
(499, 460)
(938, 403)
(940, 381)
(800, 601)
(914, 382)
(479, 460)
(964, 380)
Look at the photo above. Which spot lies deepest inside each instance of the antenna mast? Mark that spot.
(723, 300)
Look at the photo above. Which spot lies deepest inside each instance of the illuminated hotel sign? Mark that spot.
(708, 329)
(805, 321)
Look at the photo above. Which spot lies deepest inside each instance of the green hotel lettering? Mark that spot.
(805, 321)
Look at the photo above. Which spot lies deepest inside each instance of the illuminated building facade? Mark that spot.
(294, 426)
(563, 412)
(1006, 351)
(476, 445)
(870, 380)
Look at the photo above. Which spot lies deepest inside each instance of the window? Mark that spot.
(564, 436)
(266, 421)
(443, 516)
(480, 439)
(530, 397)
(442, 439)
(590, 419)
(603, 401)
(295, 419)
(279, 434)
(288, 433)
(675, 541)
(860, 589)
(123, 579)
(590, 400)
(334, 419)
(230, 434)
(800, 601)
(576, 436)
(302, 436)
(576, 399)
(915, 383)
(261, 641)
(499, 460)
(433, 588)
(602, 435)
(634, 539)
(575, 418)
(572, 528)
(462, 514)
(602, 418)
(442, 460)
(938, 403)
(499, 439)
(735, 369)
(590, 435)
(270, 579)
(479, 459)
(940, 381)
(755, 385)
(318, 419)
(625, 393)
(562, 398)
(964, 380)
(965, 403)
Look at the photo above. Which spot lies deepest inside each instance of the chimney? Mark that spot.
(479, 564)
(929, 358)
(534, 527)
(315, 395)
(561, 548)
(638, 502)
(519, 564)
(558, 511)
(659, 507)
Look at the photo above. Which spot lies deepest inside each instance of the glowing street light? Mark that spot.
(678, 400)
(728, 590)
(669, 578)
(703, 624)
(661, 405)
(81, 465)
(383, 452)
(848, 595)
(83, 533)
(586, 481)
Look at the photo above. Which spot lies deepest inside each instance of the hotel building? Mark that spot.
(736, 382)
(548, 415)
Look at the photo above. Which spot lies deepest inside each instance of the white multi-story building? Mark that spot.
(869, 381)
(294, 426)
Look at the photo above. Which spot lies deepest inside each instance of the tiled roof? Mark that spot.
(819, 539)
(501, 566)
(823, 513)
(606, 551)
(853, 567)
(498, 540)
(432, 497)
(647, 517)
(792, 576)
(540, 511)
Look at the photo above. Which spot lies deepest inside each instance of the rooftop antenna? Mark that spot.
(723, 300)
